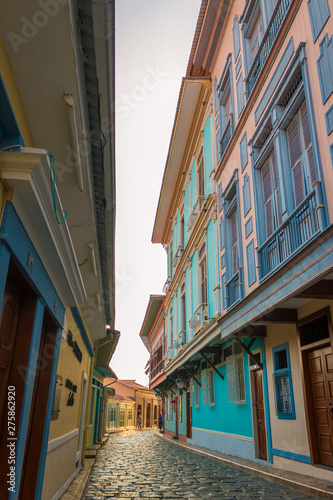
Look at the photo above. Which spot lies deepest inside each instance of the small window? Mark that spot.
(211, 393)
(284, 399)
(233, 356)
(314, 331)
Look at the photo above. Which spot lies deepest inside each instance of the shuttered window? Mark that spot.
(301, 154)
(204, 386)
(234, 238)
(272, 203)
(256, 37)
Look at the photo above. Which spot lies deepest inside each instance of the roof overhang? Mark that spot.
(189, 98)
(104, 349)
(154, 304)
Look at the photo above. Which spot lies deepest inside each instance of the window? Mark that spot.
(246, 195)
(122, 417)
(271, 195)
(211, 393)
(284, 398)
(183, 307)
(112, 417)
(224, 110)
(234, 240)
(232, 354)
(301, 154)
(201, 174)
(130, 416)
(171, 329)
(196, 394)
(203, 274)
(256, 36)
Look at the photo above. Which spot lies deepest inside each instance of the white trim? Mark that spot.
(64, 487)
(59, 441)
(243, 438)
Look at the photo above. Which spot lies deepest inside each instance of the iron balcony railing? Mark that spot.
(233, 290)
(273, 28)
(199, 318)
(180, 340)
(300, 227)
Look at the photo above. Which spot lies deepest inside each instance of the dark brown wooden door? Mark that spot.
(321, 376)
(260, 413)
(8, 330)
(188, 416)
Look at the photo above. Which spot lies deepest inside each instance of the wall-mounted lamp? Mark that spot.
(93, 259)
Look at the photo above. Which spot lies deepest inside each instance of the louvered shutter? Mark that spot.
(294, 142)
(312, 167)
(305, 126)
(233, 223)
(220, 200)
(298, 183)
(267, 192)
(276, 187)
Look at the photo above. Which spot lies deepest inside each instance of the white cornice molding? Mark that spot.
(28, 173)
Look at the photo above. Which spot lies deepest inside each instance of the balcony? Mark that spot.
(233, 289)
(196, 211)
(273, 28)
(300, 227)
(178, 255)
(180, 341)
(156, 370)
(199, 318)
(166, 285)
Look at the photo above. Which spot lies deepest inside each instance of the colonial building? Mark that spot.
(245, 215)
(57, 197)
(147, 404)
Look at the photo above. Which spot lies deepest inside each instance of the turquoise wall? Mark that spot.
(211, 268)
(187, 212)
(195, 284)
(188, 303)
(174, 320)
(226, 417)
(179, 326)
(207, 144)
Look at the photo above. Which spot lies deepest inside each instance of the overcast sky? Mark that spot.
(153, 42)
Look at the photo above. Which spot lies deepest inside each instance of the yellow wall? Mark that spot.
(287, 435)
(14, 97)
(70, 368)
(90, 428)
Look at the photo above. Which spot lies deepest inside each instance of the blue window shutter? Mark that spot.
(243, 152)
(325, 67)
(224, 291)
(319, 13)
(246, 195)
(251, 264)
(221, 234)
(240, 93)
(220, 199)
(248, 227)
(235, 35)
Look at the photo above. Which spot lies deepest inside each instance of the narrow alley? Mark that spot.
(138, 464)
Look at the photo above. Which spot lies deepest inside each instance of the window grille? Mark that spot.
(314, 331)
(284, 400)
(235, 373)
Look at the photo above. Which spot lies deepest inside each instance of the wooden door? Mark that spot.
(176, 415)
(188, 416)
(8, 330)
(260, 414)
(320, 363)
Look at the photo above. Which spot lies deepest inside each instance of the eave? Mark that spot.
(153, 308)
(191, 91)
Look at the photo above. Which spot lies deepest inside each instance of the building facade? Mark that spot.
(246, 218)
(57, 195)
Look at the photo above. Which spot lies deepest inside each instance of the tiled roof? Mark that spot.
(190, 66)
(121, 397)
(133, 384)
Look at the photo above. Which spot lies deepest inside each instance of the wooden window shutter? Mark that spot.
(312, 167)
(305, 126)
(294, 142)
(269, 218)
(276, 187)
(204, 386)
(298, 183)
(266, 181)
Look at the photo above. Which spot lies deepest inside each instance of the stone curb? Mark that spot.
(298, 481)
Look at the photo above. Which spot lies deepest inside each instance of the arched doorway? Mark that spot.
(148, 415)
(155, 416)
(139, 417)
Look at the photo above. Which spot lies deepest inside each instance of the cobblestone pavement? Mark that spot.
(137, 464)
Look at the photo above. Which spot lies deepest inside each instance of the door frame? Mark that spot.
(307, 391)
(254, 411)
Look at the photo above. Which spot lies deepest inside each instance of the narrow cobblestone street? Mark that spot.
(138, 464)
